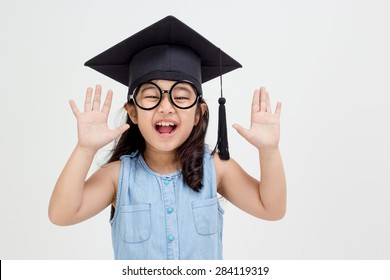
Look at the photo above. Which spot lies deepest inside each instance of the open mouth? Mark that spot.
(165, 128)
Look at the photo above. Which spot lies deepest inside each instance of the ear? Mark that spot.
(203, 108)
(132, 112)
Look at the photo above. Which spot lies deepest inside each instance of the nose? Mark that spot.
(165, 105)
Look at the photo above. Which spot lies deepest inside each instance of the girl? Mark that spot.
(161, 180)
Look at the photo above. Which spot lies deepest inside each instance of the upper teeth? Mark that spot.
(165, 124)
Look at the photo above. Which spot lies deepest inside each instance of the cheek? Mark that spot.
(188, 122)
(144, 119)
(195, 116)
(190, 119)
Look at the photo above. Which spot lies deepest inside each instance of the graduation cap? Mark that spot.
(168, 50)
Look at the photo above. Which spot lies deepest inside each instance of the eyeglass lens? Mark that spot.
(182, 94)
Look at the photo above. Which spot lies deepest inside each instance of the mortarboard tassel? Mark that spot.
(222, 142)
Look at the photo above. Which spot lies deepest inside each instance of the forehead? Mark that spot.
(164, 83)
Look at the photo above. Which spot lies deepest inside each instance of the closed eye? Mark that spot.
(151, 97)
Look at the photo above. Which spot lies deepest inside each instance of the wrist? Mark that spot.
(88, 151)
(269, 150)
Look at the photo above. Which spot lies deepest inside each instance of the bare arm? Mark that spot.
(74, 199)
(264, 198)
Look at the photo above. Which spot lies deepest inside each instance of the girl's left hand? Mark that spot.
(264, 132)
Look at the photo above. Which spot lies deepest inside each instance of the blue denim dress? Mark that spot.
(160, 217)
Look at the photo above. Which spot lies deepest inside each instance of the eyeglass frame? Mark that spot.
(198, 95)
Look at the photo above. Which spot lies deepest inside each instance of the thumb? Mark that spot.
(241, 130)
(120, 130)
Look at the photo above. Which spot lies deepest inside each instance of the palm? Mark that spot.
(93, 131)
(264, 131)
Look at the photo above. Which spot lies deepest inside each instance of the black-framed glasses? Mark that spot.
(182, 94)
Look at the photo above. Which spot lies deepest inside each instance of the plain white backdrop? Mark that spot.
(327, 61)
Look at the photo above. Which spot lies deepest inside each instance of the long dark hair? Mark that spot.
(189, 155)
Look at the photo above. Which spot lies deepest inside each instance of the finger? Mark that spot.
(263, 100)
(268, 101)
(256, 101)
(107, 103)
(96, 99)
(278, 108)
(88, 99)
(241, 130)
(74, 108)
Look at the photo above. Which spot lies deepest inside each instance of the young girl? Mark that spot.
(161, 180)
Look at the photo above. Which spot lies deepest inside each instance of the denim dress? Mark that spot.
(158, 216)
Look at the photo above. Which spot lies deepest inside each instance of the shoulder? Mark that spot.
(107, 177)
(223, 168)
(223, 165)
(107, 174)
(111, 168)
(231, 176)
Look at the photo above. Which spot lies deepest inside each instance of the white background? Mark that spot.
(327, 61)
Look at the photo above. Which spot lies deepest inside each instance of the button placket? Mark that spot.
(168, 192)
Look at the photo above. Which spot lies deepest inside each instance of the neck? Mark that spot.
(161, 162)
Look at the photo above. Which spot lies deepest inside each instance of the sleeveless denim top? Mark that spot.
(159, 217)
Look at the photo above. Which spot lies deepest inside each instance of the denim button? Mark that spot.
(166, 182)
(170, 237)
(170, 210)
(133, 154)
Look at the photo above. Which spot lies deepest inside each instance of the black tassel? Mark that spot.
(222, 145)
(222, 142)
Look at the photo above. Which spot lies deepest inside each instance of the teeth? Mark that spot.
(165, 124)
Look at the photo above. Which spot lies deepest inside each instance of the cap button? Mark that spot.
(221, 100)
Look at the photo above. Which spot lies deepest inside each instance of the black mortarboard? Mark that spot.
(170, 50)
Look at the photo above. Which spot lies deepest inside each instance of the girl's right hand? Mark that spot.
(93, 131)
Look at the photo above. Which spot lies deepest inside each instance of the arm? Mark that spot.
(266, 198)
(74, 199)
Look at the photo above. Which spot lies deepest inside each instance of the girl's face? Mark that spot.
(166, 127)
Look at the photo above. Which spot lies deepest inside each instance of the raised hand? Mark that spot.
(264, 132)
(93, 131)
